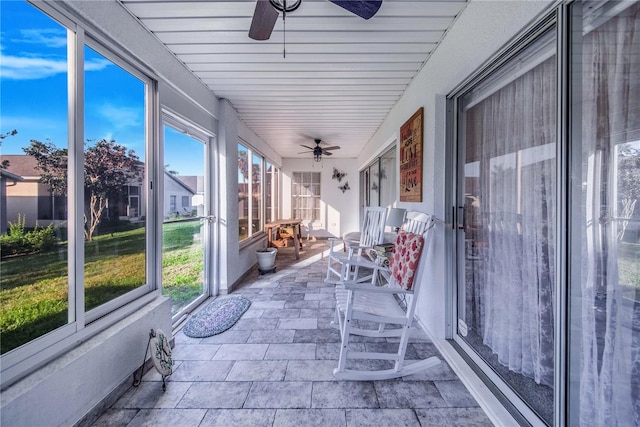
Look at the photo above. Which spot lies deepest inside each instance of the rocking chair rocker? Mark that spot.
(360, 303)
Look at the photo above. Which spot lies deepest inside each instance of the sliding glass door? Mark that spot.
(507, 199)
(548, 241)
(186, 225)
(604, 345)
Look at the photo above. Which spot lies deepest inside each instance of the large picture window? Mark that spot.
(77, 203)
(271, 183)
(34, 297)
(114, 161)
(305, 196)
(258, 183)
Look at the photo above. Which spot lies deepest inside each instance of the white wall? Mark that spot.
(235, 259)
(479, 32)
(339, 211)
(68, 388)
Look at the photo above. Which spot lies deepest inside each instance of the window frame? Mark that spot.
(555, 18)
(178, 123)
(81, 324)
(371, 179)
(312, 197)
(274, 188)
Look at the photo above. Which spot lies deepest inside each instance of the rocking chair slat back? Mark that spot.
(371, 234)
(373, 226)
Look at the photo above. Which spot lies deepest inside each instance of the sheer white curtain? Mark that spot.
(610, 310)
(515, 137)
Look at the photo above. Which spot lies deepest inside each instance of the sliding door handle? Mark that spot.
(461, 221)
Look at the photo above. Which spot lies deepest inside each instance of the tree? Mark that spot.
(243, 167)
(243, 164)
(628, 185)
(108, 167)
(5, 163)
(169, 171)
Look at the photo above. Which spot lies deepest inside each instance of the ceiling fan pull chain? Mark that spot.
(284, 29)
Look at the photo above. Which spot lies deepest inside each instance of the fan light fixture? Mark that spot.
(319, 151)
(281, 5)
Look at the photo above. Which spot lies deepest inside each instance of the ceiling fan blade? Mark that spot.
(333, 147)
(363, 8)
(306, 146)
(305, 152)
(327, 153)
(264, 19)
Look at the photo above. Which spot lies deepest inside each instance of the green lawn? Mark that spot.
(629, 264)
(182, 263)
(34, 289)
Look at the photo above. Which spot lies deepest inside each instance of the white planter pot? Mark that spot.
(266, 259)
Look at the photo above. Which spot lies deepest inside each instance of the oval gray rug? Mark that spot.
(216, 318)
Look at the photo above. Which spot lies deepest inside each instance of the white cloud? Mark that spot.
(32, 68)
(96, 64)
(121, 116)
(27, 68)
(50, 37)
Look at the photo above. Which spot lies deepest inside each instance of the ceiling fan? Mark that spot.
(267, 11)
(319, 151)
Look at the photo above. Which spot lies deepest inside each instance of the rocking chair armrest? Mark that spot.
(359, 260)
(357, 250)
(364, 287)
(359, 247)
(333, 241)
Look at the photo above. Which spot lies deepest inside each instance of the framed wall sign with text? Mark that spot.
(411, 158)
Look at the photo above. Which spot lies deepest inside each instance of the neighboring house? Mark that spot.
(29, 197)
(195, 182)
(7, 179)
(179, 195)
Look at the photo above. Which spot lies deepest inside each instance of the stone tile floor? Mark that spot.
(274, 367)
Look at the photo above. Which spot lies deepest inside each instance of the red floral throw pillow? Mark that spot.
(404, 261)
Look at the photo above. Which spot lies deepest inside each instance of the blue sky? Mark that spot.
(33, 92)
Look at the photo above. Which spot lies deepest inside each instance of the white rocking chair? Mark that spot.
(358, 303)
(340, 261)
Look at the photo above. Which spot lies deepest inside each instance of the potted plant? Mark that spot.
(266, 260)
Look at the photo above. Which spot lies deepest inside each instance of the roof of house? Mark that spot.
(195, 182)
(10, 176)
(180, 182)
(21, 165)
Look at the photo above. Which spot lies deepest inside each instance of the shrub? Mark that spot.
(17, 241)
(11, 244)
(16, 229)
(42, 239)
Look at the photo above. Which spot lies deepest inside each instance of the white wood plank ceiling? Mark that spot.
(341, 75)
